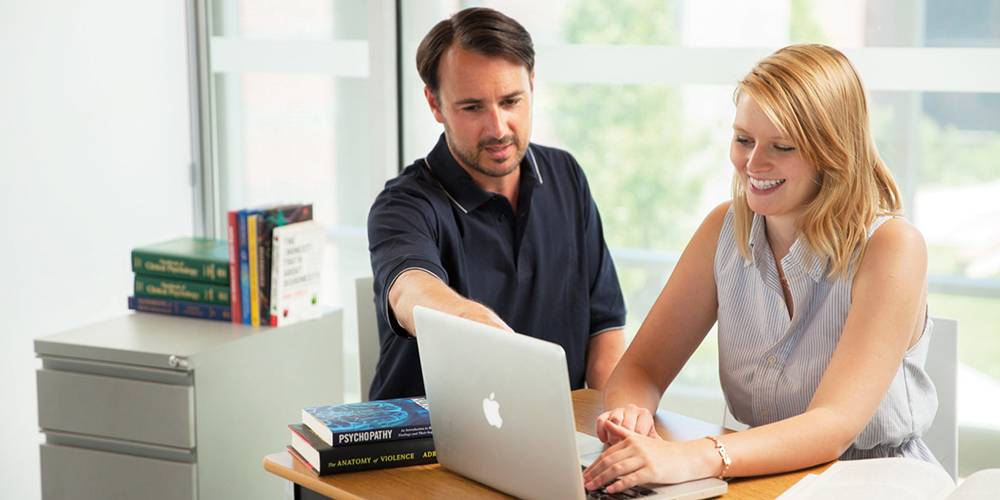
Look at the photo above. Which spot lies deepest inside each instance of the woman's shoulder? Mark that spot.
(896, 240)
(896, 231)
(707, 237)
(718, 214)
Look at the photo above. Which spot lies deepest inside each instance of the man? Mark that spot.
(489, 226)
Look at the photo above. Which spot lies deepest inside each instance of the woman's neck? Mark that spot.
(781, 235)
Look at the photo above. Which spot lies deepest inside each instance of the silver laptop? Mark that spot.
(502, 413)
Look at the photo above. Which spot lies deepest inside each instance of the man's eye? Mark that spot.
(511, 102)
(470, 108)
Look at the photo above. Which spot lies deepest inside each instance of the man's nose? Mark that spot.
(496, 124)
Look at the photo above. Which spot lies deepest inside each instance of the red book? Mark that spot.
(232, 232)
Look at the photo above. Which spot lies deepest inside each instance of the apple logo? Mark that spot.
(492, 410)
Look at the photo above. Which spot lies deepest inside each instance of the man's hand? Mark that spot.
(482, 314)
(420, 288)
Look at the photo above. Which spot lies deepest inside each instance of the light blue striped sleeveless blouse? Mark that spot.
(770, 364)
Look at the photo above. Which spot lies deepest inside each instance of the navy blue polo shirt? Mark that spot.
(546, 271)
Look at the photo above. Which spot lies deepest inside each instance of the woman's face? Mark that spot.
(775, 177)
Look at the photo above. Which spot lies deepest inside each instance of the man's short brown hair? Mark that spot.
(477, 29)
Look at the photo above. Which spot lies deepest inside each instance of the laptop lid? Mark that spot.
(500, 406)
(502, 413)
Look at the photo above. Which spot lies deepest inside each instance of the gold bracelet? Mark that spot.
(721, 448)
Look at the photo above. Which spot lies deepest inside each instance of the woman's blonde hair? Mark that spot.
(815, 98)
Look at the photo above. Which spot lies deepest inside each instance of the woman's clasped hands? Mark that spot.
(637, 454)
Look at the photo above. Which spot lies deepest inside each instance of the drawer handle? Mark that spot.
(177, 361)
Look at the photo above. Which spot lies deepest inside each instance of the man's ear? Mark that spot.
(433, 103)
(531, 81)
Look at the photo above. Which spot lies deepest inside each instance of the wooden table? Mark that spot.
(434, 482)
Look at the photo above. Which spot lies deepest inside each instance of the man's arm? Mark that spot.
(604, 350)
(419, 288)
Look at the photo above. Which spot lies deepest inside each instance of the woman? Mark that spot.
(818, 288)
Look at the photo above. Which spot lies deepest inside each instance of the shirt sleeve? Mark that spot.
(402, 235)
(607, 304)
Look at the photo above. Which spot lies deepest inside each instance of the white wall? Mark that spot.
(94, 153)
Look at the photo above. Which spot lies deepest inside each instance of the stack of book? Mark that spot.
(363, 436)
(275, 264)
(183, 277)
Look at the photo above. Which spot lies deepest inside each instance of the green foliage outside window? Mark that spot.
(631, 139)
(636, 148)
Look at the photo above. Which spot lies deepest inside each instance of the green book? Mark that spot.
(172, 288)
(197, 259)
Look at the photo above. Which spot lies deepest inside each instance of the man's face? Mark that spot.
(485, 106)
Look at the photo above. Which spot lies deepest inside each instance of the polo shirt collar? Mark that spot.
(458, 184)
(795, 261)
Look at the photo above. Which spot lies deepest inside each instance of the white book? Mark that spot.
(893, 479)
(296, 272)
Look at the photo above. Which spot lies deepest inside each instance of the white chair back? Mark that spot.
(368, 343)
(942, 367)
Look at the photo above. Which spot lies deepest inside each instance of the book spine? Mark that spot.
(377, 456)
(252, 250)
(183, 267)
(275, 286)
(244, 267)
(180, 308)
(175, 289)
(263, 271)
(232, 233)
(380, 435)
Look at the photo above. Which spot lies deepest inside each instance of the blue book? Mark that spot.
(369, 421)
(244, 250)
(181, 308)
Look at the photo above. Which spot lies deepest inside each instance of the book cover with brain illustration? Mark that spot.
(369, 421)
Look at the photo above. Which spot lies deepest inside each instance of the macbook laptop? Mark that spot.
(502, 414)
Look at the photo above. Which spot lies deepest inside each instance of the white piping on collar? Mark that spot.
(534, 163)
(446, 193)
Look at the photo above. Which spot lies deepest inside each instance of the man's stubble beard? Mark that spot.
(471, 159)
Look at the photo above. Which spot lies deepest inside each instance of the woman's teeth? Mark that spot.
(765, 184)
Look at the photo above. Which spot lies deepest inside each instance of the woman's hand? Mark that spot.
(631, 418)
(639, 459)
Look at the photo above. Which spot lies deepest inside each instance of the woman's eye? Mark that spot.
(743, 140)
(784, 149)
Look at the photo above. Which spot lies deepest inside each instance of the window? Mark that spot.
(296, 90)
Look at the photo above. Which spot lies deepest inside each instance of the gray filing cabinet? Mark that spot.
(161, 407)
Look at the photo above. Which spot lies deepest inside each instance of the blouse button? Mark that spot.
(772, 359)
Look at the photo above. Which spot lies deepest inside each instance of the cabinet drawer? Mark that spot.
(114, 407)
(77, 474)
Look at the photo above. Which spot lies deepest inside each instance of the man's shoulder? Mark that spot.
(552, 155)
(413, 183)
(412, 180)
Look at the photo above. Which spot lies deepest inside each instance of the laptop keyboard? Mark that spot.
(633, 492)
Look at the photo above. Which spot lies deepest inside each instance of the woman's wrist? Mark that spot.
(721, 456)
